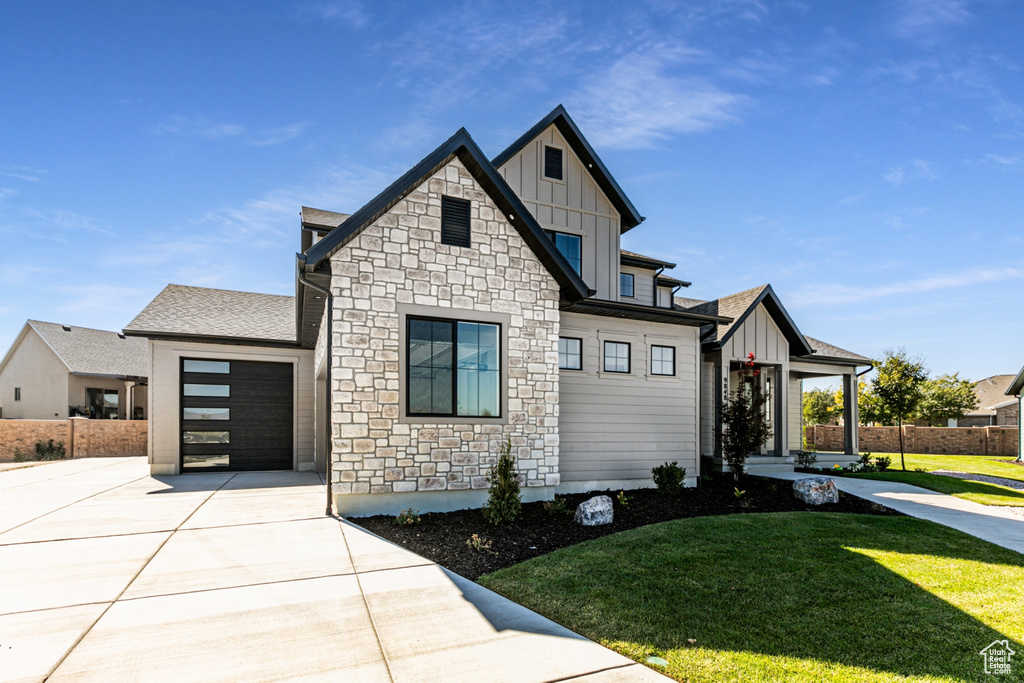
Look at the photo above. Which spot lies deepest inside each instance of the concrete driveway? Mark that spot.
(112, 575)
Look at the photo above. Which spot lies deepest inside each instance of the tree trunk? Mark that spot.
(903, 462)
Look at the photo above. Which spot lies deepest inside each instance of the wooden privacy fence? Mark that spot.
(82, 437)
(938, 440)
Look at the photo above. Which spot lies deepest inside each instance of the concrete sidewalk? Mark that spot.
(987, 522)
(111, 574)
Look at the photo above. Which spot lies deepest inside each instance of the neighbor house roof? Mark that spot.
(217, 315)
(319, 221)
(1016, 387)
(740, 305)
(629, 216)
(991, 391)
(86, 351)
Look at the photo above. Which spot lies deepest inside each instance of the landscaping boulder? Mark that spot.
(816, 490)
(594, 512)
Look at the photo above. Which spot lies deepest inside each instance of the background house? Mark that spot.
(991, 392)
(55, 371)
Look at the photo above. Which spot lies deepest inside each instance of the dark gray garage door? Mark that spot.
(236, 415)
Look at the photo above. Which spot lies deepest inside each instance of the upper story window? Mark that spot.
(616, 357)
(553, 163)
(663, 360)
(570, 353)
(454, 368)
(17, 393)
(570, 247)
(626, 284)
(455, 222)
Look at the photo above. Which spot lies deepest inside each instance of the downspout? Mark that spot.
(1020, 427)
(656, 274)
(328, 474)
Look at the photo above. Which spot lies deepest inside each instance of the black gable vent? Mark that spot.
(553, 163)
(455, 222)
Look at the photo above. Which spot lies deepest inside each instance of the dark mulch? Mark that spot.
(442, 537)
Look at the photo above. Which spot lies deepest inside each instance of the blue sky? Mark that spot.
(866, 159)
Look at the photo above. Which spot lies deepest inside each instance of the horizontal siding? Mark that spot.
(643, 286)
(620, 426)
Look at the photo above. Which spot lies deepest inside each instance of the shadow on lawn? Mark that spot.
(948, 485)
(786, 584)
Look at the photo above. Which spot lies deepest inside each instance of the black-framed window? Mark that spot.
(453, 368)
(553, 163)
(455, 217)
(17, 393)
(626, 284)
(570, 353)
(570, 246)
(616, 356)
(663, 360)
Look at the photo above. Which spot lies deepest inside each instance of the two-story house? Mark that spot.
(473, 302)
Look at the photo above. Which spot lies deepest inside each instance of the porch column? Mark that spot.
(721, 390)
(851, 416)
(781, 417)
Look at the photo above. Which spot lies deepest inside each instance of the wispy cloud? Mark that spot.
(854, 199)
(351, 14)
(821, 293)
(918, 169)
(65, 221)
(7, 192)
(1009, 163)
(639, 100)
(927, 19)
(203, 129)
(26, 173)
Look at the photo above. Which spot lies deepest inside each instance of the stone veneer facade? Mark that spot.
(399, 265)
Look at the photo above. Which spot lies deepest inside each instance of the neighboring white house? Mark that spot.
(55, 371)
(474, 302)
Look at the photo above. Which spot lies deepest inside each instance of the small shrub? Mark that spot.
(739, 494)
(479, 544)
(408, 517)
(622, 498)
(504, 501)
(669, 478)
(556, 507)
(50, 450)
(865, 459)
(806, 459)
(882, 462)
(19, 456)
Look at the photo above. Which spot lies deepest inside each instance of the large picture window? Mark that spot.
(454, 368)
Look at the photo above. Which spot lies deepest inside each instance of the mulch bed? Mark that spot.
(442, 537)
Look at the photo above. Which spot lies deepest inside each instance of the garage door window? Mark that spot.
(214, 367)
(189, 436)
(206, 414)
(217, 390)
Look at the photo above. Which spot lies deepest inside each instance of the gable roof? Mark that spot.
(217, 315)
(86, 351)
(319, 221)
(1016, 387)
(630, 217)
(631, 258)
(463, 147)
(990, 391)
(740, 305)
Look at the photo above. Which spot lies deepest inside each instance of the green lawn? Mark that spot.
(979, 492)
(994, 465)
(787, 596)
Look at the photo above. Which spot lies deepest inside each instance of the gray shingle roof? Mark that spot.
(990, 391)
(732, 306)
(828, 350)
(202, 312)
(683, 302)
(95, 352)
(319, 218)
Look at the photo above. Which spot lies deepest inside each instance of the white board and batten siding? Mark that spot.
(759, 334)
(796, 416)
(707, 408)
(575, 205)
(613, 428)
(165, 387)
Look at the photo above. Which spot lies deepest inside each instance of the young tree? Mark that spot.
(745, 425)
(870, 407)
(946, 398)
(820, 407)
(897, 385)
